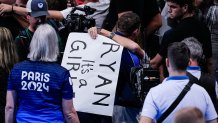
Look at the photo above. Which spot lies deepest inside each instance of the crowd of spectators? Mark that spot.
(176, 37)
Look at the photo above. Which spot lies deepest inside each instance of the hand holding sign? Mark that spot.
(94, 68)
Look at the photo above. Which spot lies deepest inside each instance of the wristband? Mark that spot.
(111, 35)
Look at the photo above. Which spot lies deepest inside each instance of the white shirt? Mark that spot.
(195, 71)
(99, 15)
(162, 96)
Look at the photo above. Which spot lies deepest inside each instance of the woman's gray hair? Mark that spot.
(195, 48)
(44, 44)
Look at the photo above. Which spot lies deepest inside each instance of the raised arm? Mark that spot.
(55, 14)
(69, 111)
(125, 42)
(4, 8)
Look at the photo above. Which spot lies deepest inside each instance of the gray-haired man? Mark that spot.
(205, 80)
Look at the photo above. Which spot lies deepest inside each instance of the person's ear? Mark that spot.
(190, 62)
(185, 8)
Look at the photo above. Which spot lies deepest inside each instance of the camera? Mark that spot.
(142, 79)
(79, 22)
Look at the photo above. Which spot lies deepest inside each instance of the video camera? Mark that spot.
(143, 78)
(78, 22)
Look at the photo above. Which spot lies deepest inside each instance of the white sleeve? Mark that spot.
(216, 88)
(149, 108)
(66, 11)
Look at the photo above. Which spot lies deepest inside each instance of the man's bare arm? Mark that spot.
(156, 61)
(55, 15)
(127, 43)
(4, 8)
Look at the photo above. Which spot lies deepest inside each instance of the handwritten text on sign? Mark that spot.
(94, 67)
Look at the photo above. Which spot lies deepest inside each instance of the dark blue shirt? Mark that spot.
(188, 27)
(40, 88)
(124, 93)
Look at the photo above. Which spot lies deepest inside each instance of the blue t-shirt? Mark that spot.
(124, 93)
(40, 88)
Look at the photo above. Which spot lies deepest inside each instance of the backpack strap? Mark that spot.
(176, 102)
(192, 78)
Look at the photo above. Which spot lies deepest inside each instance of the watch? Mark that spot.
(112, 34)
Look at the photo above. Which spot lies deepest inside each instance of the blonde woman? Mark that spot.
(8, 57)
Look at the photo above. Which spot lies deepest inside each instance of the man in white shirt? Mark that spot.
(206, 80)
(162, 96)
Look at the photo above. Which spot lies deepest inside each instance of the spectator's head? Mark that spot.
(178, 9)
(178, 57)
(189, 115)
(195, 48)
(37, 8)
(44, 44)
(8, 53)
(37, 11)
(128, 23)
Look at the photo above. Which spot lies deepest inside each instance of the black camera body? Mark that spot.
(78, 22)
(142, 79)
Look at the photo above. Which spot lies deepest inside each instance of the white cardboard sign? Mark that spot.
(94, 68)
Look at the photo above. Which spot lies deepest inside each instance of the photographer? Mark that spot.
(101, 7)
(99, 15)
